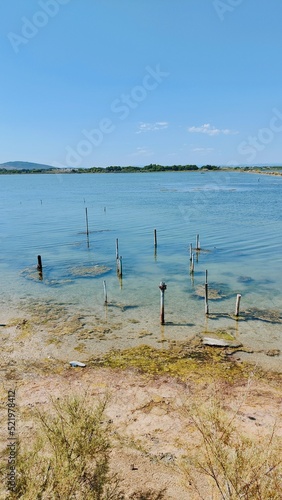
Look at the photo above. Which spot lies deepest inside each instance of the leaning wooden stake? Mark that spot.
(237, 304)
(206, 295)
(87, 228)
(162, 288)
(105, 292)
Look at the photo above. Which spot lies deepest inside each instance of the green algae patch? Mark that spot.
(265, 315)
(32, 274)
(24, 328)
(220, 334)
(144, 333)
(53, 341)
(90, 271)
(80, 348)
(217, 291)
(192, 360)
(55, 318)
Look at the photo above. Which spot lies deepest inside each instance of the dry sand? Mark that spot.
(149, 422)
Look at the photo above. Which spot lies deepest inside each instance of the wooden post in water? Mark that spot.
(192, 264)
(155, 238)
(237, 308)
(39, 263)
(39, 267)
(105, 293)
(162, 288)
(117, 248)
(119, 266)
(206, 295)
(190, 248)
(87, 228)
(198, 242)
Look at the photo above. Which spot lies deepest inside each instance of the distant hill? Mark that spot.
(25, 165)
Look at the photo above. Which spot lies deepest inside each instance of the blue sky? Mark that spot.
(132, 82)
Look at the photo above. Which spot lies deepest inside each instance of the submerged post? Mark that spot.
(197, 242)
(39, 267)
(86, 215)
(119, 266)
(117, 248)
(237, 308)
(206, 295)
(155, 238)
(162, 288)
(39, 263)
(105, 293)
(190, 251)
(192, 264)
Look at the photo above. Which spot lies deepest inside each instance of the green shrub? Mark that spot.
(69, 456)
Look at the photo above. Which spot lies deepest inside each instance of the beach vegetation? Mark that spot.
(225, 464)
(69, 456)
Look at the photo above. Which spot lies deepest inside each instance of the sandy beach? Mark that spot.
(148, 397)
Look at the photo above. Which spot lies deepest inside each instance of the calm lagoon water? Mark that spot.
(237, 215)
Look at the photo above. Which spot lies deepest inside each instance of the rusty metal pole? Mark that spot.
(162, 288)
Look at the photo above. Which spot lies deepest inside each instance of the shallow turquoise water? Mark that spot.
(238, 217)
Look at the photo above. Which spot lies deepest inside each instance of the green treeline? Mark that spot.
(148, 168)
(153, 167)
(112, 169)
(27, 171)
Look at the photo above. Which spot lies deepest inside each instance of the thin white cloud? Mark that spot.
(202, 150)
(149, 127)
(141, 151)
(210, 130)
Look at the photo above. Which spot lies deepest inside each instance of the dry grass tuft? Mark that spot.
(232, 465)
(69, 457)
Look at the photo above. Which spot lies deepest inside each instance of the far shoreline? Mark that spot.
(7, 169)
